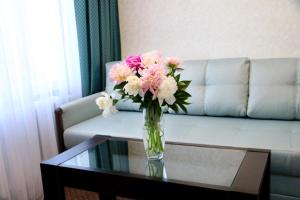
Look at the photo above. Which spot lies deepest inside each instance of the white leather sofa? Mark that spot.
(235, 102)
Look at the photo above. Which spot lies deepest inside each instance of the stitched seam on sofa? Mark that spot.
(297, 103)
(204, 92)
(284, 174)
(248, 87)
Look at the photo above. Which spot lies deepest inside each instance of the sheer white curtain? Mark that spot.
(39, 70)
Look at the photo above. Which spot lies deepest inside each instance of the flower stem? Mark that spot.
(154, 132)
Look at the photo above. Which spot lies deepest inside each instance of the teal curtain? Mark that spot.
(98, 40)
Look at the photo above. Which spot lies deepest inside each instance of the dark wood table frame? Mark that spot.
(252, 180)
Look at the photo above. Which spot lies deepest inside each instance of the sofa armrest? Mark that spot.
(79, 110)
(73, 113)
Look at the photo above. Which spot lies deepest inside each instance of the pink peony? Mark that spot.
(172, 62)
(151, 58)
(152, 77)
(134, 62)
(119, 73)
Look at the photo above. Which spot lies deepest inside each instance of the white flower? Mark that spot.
(105, 103)
(166, 91)
(133, 87)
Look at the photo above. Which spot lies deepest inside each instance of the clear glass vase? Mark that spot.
(157, 169)
(153, 132)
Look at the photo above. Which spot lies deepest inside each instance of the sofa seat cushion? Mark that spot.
(282, 197)
(285, 185)
(282, 137)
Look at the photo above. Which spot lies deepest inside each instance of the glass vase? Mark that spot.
(153, 132)
(157, 169)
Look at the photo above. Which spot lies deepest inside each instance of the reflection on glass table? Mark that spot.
(190, 164)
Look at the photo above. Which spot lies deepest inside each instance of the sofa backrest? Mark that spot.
(219, 87)
(274, 91)
(239, 87)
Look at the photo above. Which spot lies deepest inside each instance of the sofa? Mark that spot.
(240, 102)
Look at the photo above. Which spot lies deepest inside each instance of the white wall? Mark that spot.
(195, 29)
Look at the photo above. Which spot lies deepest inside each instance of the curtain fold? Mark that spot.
(98, 40)
(39, 70)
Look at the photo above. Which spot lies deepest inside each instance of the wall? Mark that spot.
(195, 29)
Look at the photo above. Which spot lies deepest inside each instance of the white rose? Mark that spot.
(166, 91)
(133, 87)
(105, 103)
(108, 111)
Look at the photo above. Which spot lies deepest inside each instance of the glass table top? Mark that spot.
(192, 165)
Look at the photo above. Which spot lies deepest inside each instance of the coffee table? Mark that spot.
(118, 167)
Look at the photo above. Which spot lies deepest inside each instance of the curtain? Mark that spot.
(99, 40)
(39, 70)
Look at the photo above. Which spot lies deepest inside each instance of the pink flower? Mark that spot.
(151, 58)
(134, 62)
(172, 62)
(152, 77)
(119, 73)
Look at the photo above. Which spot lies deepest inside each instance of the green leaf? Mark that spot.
(136, 99)
(182, 93)
(120, 86)
(186, 103)
(115, 101)
(181, 98)
(187, 83)
(183, 108)
(177, 77)
(121, 92)
(182, 85)
(174, 107)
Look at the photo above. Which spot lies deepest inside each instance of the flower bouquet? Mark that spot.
(154, 82)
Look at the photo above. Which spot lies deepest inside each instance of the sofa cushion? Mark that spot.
(282, 137)
(285, 185)
(227, 87)
(274, 89)
(286, 161)
(282, 197)
(194, 70)
(218, 88)
(124, 104)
